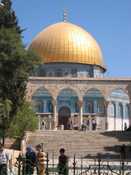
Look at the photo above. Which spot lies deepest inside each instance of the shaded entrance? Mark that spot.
(64, 117)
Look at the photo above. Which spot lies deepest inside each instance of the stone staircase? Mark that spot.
(85, 144)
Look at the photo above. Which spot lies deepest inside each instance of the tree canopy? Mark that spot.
(24, 120)
(16, 65)
(7, 16)
(16, 62)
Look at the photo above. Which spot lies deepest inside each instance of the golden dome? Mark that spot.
(65, 42)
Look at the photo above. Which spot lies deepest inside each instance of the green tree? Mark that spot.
(16, 62)
(25, 120)
(5, 108)
(8, 18)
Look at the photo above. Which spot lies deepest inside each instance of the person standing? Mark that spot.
(40, 160)
(94, 124)
(63, 163)
(30, 161)
(4, 160)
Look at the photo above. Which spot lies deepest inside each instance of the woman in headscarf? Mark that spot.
(40, 160)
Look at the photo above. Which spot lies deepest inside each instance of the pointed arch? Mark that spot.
(42, 99)
(69, 98)
(93, 101)
(119, 94)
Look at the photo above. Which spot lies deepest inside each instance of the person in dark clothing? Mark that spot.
(63, 163)
(125, 126)
(123, 151)
(93, 124)
(30, 161)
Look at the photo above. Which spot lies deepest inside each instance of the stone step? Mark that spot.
(77, 142)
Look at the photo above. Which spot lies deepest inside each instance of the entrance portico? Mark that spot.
(72, 110)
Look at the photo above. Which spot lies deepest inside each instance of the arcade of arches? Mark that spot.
(91, 112)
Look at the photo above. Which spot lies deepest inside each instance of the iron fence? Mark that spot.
(77, 165)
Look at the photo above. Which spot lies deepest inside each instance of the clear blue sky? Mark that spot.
(109, 21)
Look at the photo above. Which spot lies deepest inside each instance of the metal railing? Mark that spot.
(78, 166)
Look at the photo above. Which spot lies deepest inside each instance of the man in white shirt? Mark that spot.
(4, 160)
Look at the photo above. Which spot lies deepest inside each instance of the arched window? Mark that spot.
(68, 98)
(90, 108)
(119, 95)
(44, 96)
(74, 72)
(59, 72)
(37, 106)
(49, 106)
(112, 111)
(93, 101)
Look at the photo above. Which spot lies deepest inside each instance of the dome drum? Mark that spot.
(69, 70)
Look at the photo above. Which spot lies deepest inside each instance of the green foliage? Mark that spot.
(8, 18)
(25, 120)
(16, 64)
(5, 108)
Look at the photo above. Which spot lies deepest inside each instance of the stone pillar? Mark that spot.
(114, 105)
(122, 117)
(124, 111)
(106, 105)
(80, 104)
(90, 122)
(118, 115)
(55, 119)
(50, 122)
(39, 122)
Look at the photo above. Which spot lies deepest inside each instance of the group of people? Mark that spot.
(86, 125)
(38, 159)
(33, 159)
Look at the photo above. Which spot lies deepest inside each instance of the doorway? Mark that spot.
(64, 117)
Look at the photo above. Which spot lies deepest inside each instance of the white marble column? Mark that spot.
(114, 105)
(80, 104)
(50, 122)
(124, 111)
(39, 122)
(107, 114)
(118, 117)
(55, 119)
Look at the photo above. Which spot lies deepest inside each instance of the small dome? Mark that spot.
(65, 42)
